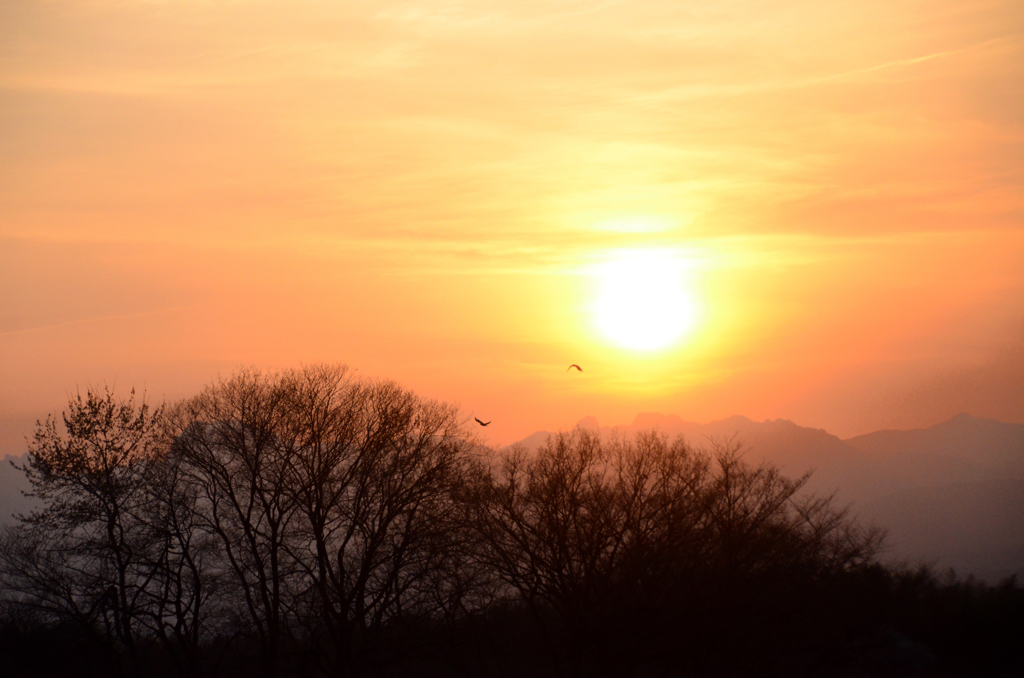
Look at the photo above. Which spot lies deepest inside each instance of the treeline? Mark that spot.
(309, 523)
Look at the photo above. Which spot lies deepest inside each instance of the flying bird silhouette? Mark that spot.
(482, 423)
(572, 366)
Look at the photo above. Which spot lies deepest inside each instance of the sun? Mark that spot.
(643, 301)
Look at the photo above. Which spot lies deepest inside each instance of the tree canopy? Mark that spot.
(310, 523)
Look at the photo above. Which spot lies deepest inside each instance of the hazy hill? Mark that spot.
(951, 495)
(963, 446)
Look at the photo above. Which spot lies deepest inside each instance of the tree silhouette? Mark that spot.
(90, 480)
(308, 523)
(606, 544)
(330, 499)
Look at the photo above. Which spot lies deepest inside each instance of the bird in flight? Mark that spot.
(572, 366)
(482, 423)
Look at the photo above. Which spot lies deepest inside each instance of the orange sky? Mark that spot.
(435, 192)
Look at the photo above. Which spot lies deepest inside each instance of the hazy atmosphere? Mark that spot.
(797, 210)
(547, 339)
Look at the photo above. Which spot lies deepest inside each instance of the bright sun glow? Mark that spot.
(642, 300)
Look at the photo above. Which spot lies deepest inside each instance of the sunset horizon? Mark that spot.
(776, 210)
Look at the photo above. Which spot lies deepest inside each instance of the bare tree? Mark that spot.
(234, 461)
(185, 603)
(617, 548)
(582, 531)
(80, 555)
(331, 500)
(374, 469)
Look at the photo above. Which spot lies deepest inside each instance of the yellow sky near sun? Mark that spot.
(426, 190)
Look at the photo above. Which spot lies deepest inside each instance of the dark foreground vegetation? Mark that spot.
(311, 524)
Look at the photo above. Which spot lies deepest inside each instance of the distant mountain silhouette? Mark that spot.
(951, 495)
(963, 446)
(956, 493)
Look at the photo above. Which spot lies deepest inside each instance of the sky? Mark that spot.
(791, 209)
